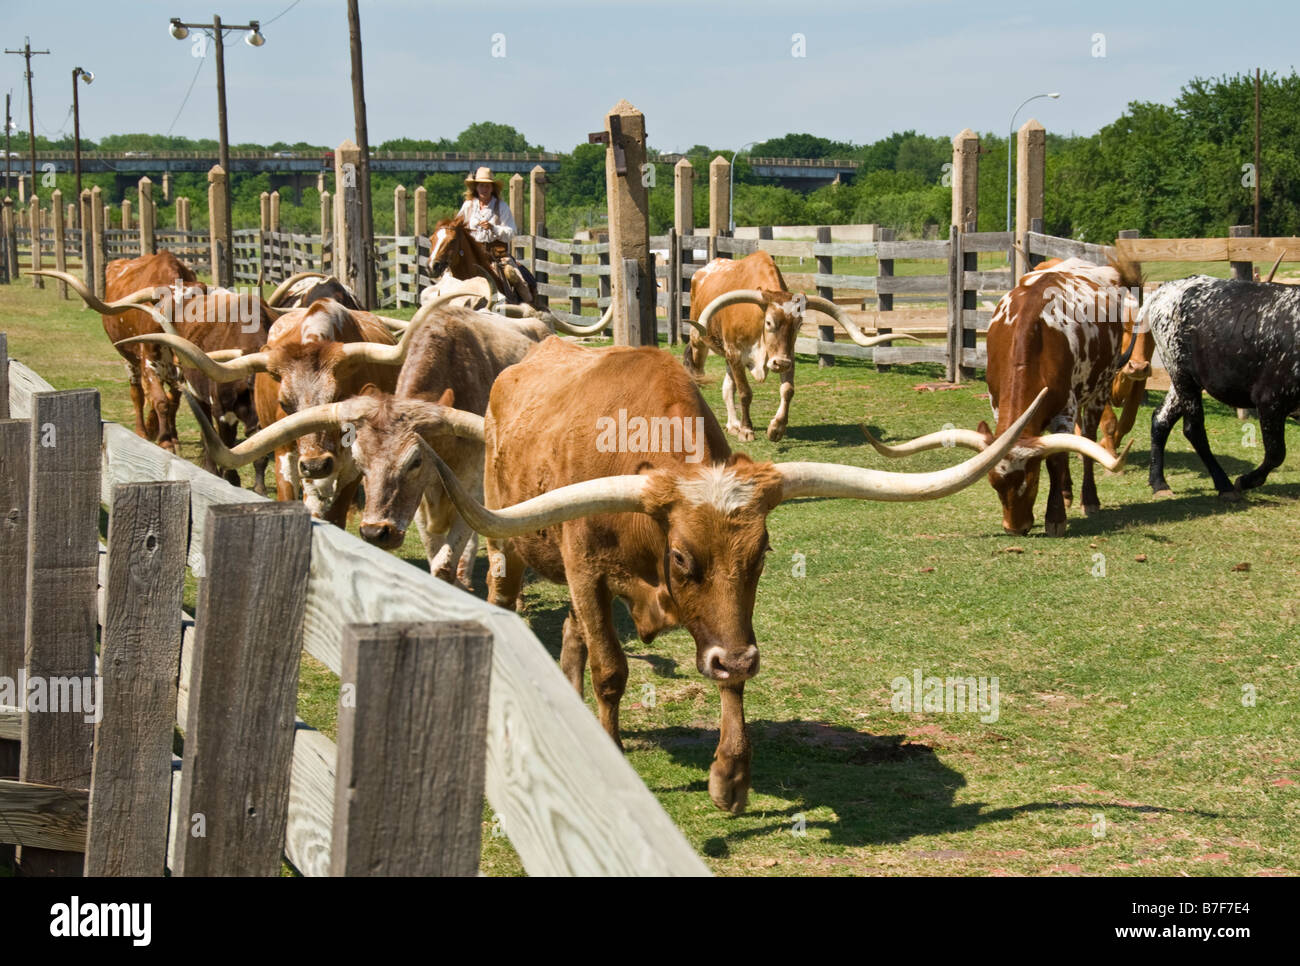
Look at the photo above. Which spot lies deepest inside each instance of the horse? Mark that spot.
(454, 249)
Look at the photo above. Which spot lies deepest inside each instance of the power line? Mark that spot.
(282, 13)
(193, 81)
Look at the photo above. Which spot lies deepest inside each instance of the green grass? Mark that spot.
(1121, 696)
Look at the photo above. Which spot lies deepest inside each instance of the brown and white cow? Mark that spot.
(451, 363)
(1059, 331)
(674, 523)
(749, 317)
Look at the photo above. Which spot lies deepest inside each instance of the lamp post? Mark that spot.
(731, 188)
(86, 77)
(1011, 132)
(217, 31)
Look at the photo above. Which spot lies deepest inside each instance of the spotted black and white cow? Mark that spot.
(1240, 342)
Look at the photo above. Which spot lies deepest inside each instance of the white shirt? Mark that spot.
(490, 222)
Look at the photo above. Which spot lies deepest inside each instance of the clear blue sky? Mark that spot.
(710, 71)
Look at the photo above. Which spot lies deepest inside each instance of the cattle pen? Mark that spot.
(400, 793)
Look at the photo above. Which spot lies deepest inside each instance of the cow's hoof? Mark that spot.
(1163, 494)
(729, 794)
(1230, 496)
(1091, 509)
(1054, 528)
(776, 432)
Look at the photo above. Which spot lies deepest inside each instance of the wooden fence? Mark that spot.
(254, 783)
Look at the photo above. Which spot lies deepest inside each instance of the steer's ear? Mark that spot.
(448, 398)
(983, 430)
(370, 389)
(775, 296)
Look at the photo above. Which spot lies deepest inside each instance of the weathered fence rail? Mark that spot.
(566, 797)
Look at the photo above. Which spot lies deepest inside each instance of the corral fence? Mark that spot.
(481, 706)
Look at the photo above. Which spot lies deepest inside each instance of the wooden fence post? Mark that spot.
(34, 217)
(15, 450)
(673, 287)
(99, 244)
(62, 610)
(127, 208)
(218, 230)
(966, 337)
(421, 220)
(263, 227)
(167, 187)
(684, 222)
(183, 213)
(145, 190)
(825, 266)
(274, 219)
(965, 177)
(516, 202)
(537, 225)
(87, 219)
(1241, 270)
(420, 812)
(243, 690)
(954, 304)
(327, 262)
(719, 202)
(400, 224)
(884, 300)
(349, 239)
(1031, 166)
(629, 225)
(276, 270)
(60, 251)
(140, 654)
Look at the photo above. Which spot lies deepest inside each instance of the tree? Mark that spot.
(485, 137)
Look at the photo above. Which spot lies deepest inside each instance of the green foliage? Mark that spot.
(802, 146)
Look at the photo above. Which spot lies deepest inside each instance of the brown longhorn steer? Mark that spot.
(670, 520)
(749, 317)
(1059, 331)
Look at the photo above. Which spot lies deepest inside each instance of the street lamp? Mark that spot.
(1011, 132)
(86, 77)
(217, 32)
(731, 189)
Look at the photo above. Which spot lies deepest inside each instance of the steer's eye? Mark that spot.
(288, 407)
(683, 562)
(414, 464)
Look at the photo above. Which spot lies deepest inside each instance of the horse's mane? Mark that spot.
(457, 222)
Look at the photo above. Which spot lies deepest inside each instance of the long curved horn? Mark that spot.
(751, 296)
(827, 307)
(855, 482)
(134, 301)
(572, 328)
(283, 288)
(967, 438)
(282, 432)
(1273, 270)
(492, 282)
(232, 371)
(1073, 443)
(609, 494)
(394, 355)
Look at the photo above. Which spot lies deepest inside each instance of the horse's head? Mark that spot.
(452, 247)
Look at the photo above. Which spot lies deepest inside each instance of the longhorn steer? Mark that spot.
(1058, 331)
(1240, 342)
(680, 536)
(750, 318)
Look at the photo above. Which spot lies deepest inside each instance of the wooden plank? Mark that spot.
(1263, 249)
(549, 764)
(412, 737)
(912, 284)
(140, 654)
(62, 580)
(977, 358)
(905, 355)
(819, 347)
(839, 249)
(4, 376)
(15, 447)
(978, 319)
(788, 248)
(566, 292)
(1187, 249)
(243, 690)
(43, 819)
(832, 281)
(988, 241)
(913, 249)
(1000, 279)
(11, 725)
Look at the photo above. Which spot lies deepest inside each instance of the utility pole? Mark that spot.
(254, 38)
(8, 124)
(27, 53)
(363, 142)
(1256, 152)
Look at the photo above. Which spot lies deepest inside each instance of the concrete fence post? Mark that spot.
(145, 189)
(274, 221)
(401, 225)
(965, 178)
(537, 225)
(719, 202)
(684, 223)
(218, 231)
(421, 213)
(34, 220)
(629, 226)
(516, 202)
(98, 222)
(1031, 167)
(60, 252)
(87, 220)
(326, 230)
(349, 239)
(167, 187)
(127, 209)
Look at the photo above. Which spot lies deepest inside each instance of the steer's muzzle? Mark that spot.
(316, 467)
(733, 667)
(779, 364)
(383, 534)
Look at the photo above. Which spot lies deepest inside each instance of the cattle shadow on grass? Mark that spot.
(883, 789)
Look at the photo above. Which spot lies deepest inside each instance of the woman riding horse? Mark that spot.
(489, 221)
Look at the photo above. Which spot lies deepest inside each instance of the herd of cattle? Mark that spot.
(471, 422)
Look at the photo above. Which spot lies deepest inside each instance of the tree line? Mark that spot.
(1174, 170)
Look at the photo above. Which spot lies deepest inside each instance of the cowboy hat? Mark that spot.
(482, 176)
